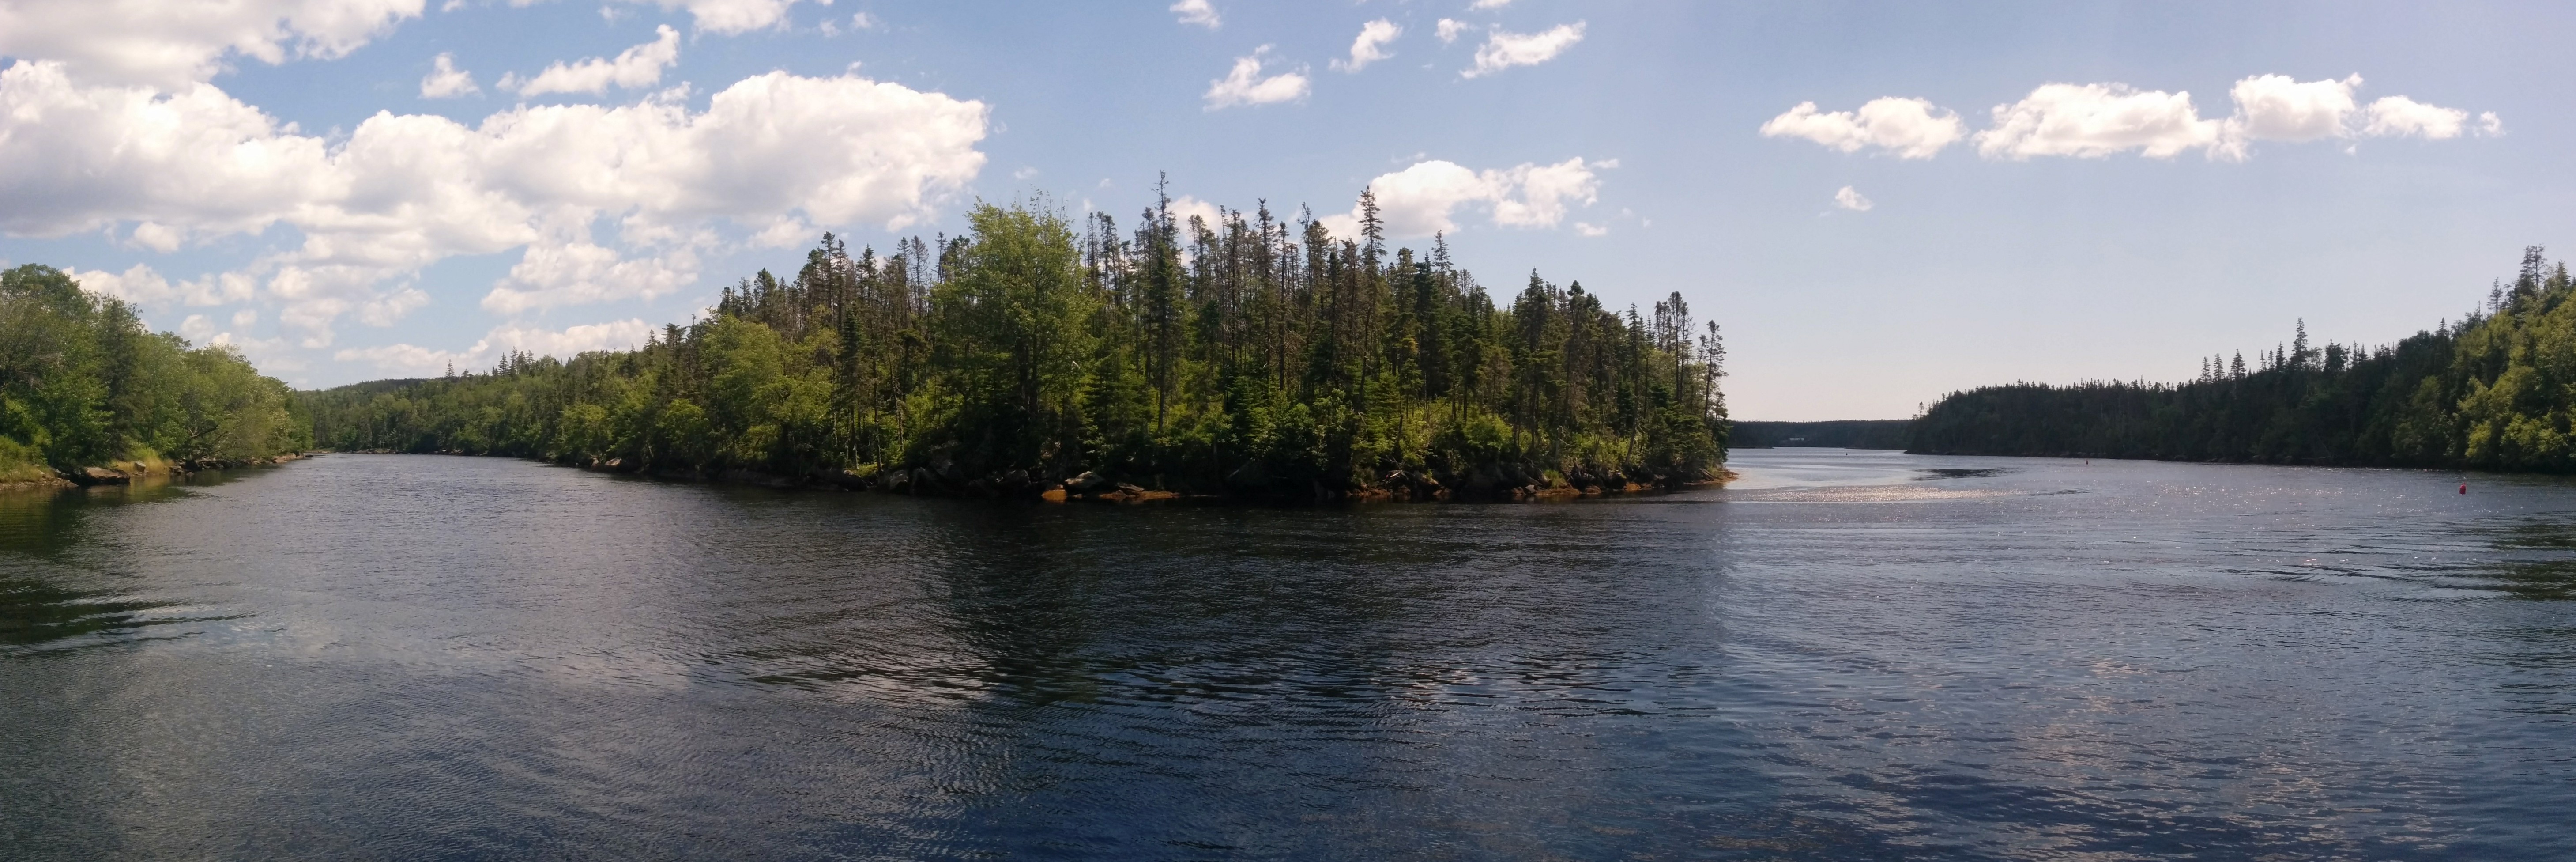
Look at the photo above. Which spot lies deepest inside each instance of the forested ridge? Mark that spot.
(2495, 390)
(88, 393)
(1252, 356)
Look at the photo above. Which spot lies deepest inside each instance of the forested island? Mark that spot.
(88, 394)
(1033, 356)
(2493, 391)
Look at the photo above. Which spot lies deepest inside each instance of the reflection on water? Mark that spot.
(2534, 559)
(39, 616)
(1845, 655)
(34, 615)
(1930, 473)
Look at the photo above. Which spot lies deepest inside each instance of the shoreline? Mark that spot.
(1089, 487)
(132, 472)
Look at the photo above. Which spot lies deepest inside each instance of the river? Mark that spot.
(1844, 655)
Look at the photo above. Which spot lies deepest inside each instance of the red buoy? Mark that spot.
(2464, 487)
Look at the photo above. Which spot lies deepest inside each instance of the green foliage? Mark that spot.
(2496, 391)
(21, 463)
(1247, 356)
(1012, 329)
(82, 383)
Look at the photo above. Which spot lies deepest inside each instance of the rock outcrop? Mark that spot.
(96, 476)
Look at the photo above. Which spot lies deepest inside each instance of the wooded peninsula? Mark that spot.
(2495, 390)
(1251, 357)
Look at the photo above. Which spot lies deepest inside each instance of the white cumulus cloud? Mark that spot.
(76, 157)
(1503, 50)
(1244, 85)
(1418, 200)
(403, 191)
(406, 359)
(555, 274)
(1370, 47)
(730, 16)
(634, 68)
(1538, 195)
(1186, 207)
(141, 285)
(203, 330)
(2280, 108)
(1851, 199)
(2398, 116)
(1908, 128)
(170, 45)
(2096, 120)
(445, 81)
(157, 237)
(1424, 199)
(2277, 108)
(1448, 29)
(1196, 12)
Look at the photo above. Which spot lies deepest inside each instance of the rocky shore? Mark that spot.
(128, 472)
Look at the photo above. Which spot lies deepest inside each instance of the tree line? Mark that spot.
(1253, 355)
(2495, 390)
(84, 384)
(1834, 433)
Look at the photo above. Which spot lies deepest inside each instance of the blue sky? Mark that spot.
(296, 176)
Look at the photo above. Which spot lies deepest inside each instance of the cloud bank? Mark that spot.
(170, 45)
(774, 152)
(2100, 120)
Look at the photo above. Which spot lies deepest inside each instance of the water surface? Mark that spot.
(1845, 655)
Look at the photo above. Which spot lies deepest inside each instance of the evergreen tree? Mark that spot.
(2497, 390)
(1248, 355)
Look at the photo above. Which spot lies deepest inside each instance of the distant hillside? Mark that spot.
(2493, 390)
(1840, 433)
(371, 387)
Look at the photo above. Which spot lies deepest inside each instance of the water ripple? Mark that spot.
(1847, 655)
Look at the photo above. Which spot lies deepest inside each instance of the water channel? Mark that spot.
(1843, 655)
